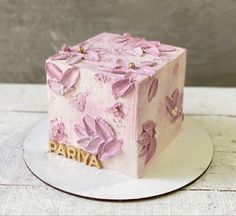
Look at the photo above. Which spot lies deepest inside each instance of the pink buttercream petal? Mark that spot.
(97, 137)
(65, 48)
(143, 151)
(55, 86)
(121, 63)
(146, 63)
(89, 124)
(104, 130)
(53, 71)
(151, 150)
(166, 48)
(84, 142)
(121, 38)
(111, 149)
(155, 43)
(170, 105)
(153, 89)
(91, 55)
(145, 70)
(122, 87)
(153, 50)
(60, 56)
(80, 131)
(95, 146)
(180, 100)
(175, 96)
(75, 59)
(149, 127)
(144, 139)
(70, 77)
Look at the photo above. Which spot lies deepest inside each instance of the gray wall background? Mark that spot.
(31, 30)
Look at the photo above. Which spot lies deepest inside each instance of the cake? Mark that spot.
(115, 101)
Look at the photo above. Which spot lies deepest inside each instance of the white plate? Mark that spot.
(186, 158)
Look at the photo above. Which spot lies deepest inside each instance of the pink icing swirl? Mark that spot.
(97, 137)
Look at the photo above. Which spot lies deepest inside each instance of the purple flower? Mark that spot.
(75, 54)
(61, 82)
(174, 105)
(122, 67)
(57, 130)
(147, 140)
(117, 110)
(97, 137)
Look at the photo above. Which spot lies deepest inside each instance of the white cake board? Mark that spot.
(178, 165)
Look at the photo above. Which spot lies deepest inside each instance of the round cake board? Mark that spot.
(183, 161)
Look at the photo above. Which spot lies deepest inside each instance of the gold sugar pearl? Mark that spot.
(117, 109)
(175, 111)
(81, 50)
(132, 65)
(156, 132)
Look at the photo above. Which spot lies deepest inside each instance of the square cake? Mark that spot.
(115, 101)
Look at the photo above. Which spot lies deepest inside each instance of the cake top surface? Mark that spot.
(117, 54)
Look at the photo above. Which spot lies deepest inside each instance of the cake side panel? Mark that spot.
(152, 110)
(93, 96)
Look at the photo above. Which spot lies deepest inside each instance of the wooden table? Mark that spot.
(214, 193)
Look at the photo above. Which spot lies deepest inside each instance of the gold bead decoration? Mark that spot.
(81, 50)
(156, 132)
(175, 111)
(132, 65)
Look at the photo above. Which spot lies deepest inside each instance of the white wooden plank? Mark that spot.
(213, 101)
(43, 200)
(197, 100)
(220, 176)
(221, 130)
(27, 97)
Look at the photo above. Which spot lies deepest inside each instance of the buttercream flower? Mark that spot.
(75, 54)
(57, 130)
(97, 137)
(117, 110)
(174, 105)
(153, 89)
(61, 82)
(147, 140)
(122, 67)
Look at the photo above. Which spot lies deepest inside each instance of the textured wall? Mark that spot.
(31, 30)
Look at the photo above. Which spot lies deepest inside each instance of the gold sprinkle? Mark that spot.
(175, 111)
(81, 50)
(156, 132)
(132, 65)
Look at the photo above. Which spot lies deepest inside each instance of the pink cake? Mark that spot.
(115, 101)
